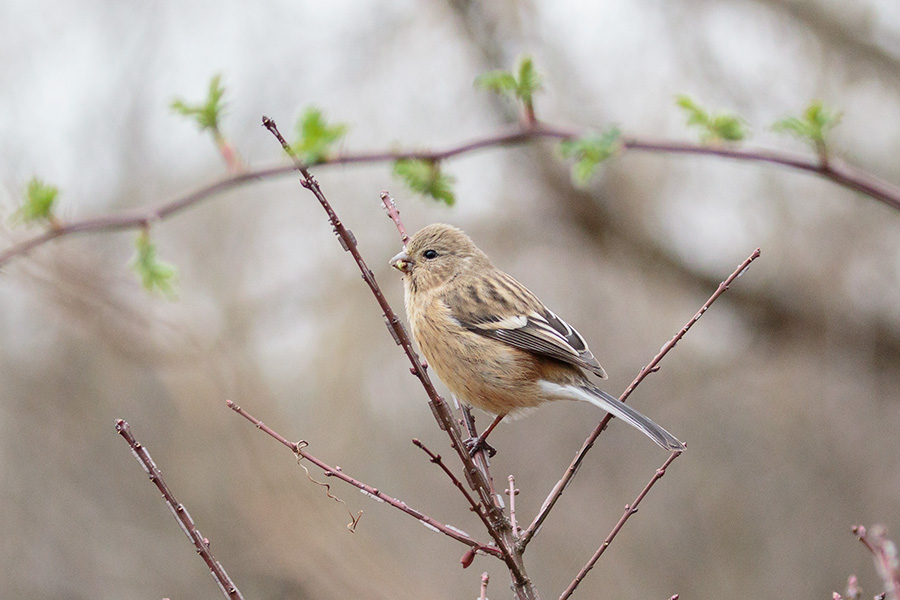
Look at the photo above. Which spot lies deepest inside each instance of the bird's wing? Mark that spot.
(513, 315)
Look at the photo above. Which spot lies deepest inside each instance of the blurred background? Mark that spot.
(787, 391)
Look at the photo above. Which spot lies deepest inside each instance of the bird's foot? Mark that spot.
(477, 444)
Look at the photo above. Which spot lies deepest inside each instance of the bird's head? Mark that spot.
(437, 254)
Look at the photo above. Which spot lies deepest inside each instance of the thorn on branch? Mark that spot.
(201, 543)
(391, 325)
(630, 509)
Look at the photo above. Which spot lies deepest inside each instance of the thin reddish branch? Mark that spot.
(477, 479)
(348, 241)
(328, 471)
(884, 552)
(653, 366)
(179, 512)
(393, 212)
(473, 504)
(481, 459)
(140, 218)
(630, 509)
(838, 172)
(834, 170)
(436, 459)
(862, 535)
(723, 287)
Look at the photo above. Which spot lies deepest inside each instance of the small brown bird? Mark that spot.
(491, 341)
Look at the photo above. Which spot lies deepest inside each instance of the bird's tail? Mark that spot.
(617, 408)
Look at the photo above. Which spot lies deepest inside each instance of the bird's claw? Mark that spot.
(476, 444)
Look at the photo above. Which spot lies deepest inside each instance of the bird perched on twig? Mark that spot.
(491, 341)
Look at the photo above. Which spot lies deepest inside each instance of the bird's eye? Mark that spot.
(430, 254)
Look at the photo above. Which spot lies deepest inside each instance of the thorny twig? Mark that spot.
(328, 471)
(473, 504)
(884, 552)
(561, 485)
(630, 509)
(477, 478)
(180, 513)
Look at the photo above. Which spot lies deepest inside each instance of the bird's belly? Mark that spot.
(478, 371)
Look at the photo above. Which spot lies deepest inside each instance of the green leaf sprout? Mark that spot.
(718, 127)
(589, 151)
(521, 86)
(156, 275)
(812, 126)
(425, 177)
(315, 136)
(38, 202)
(208, 114)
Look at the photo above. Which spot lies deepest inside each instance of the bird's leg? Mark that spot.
(474, 444)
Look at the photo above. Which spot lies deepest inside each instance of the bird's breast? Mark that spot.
(479, 371)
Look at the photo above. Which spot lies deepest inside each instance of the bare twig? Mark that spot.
(863, 536)
(473, 504)
(563, 483)
(512, 492)
(723, 287)
(481, 459)
(179, 512)
(328, 471)
(884, 552)
(485, 578)
(394, 213)
(630, 509)
(436, 459)
(229, 154)
(476, 478)
(141, 218)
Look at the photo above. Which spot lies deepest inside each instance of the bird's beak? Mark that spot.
(401, 262)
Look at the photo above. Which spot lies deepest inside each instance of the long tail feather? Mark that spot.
(612, 405)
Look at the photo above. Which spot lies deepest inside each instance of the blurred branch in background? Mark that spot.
(837, 172)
